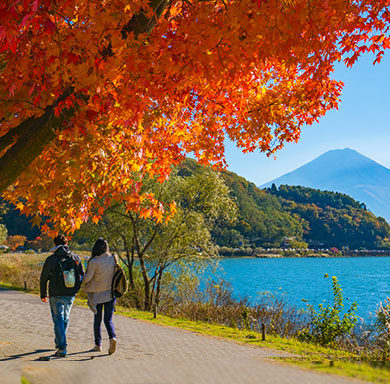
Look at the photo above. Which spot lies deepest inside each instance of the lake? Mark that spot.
(362, 279)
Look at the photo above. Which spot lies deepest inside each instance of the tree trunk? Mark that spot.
(130, 265)
(151, 299)
(147, 303)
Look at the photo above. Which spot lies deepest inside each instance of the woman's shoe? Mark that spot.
(112, 347)
(97, 348)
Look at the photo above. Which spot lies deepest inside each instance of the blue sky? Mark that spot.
(362, 123)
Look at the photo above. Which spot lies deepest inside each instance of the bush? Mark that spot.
(326, 325)
(296, 244)
(226, 251)
(243, 251)
(335, 251)
(382, 325)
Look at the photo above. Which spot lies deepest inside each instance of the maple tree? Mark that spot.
(95, 95)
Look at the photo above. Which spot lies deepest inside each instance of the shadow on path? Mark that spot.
(21, 355)
(72, 356)
(52, 357)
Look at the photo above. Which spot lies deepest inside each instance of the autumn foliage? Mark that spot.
(16, 241)
(96, 95)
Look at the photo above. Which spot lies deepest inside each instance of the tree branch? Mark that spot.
(12, 135)
(141, 24)
(34, 134)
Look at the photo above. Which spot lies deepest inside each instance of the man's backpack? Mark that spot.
(69, 271)
(119, 284)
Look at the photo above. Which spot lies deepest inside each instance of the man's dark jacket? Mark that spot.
(51, 272)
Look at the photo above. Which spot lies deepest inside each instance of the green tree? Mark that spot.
(3, 234)
(200, 200)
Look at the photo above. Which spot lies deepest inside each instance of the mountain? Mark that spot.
(345, 171)
(267, 217)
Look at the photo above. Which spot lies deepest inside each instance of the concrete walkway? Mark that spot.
(146, 353)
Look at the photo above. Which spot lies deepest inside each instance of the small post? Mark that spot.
(25, 285)
(263, 332)
(155, 311)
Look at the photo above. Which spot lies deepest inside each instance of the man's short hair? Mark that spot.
(60, 239)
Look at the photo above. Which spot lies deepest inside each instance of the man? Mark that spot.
(64, 271)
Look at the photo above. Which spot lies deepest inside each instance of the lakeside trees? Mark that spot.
(334, 219)
(149, 247)
(93, 92)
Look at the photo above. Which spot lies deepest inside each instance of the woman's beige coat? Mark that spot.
(100, 272)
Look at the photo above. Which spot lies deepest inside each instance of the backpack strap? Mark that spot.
(115, 259)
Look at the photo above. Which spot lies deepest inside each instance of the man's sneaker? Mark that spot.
(97, 348)
(112, 347)
(60, 353)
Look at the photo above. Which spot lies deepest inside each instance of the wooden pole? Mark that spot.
(155, 311)
(263, 332)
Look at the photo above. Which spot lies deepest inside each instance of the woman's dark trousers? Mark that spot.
(108, 313)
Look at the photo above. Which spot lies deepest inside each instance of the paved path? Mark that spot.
(146, 353)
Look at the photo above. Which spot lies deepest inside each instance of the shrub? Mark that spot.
(382, 325)
(335, 251)
(226, 251)
(326, 324)
(298, 244)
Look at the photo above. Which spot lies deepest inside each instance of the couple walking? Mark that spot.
(65, 273)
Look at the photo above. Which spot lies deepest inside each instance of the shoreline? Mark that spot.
(298, 256)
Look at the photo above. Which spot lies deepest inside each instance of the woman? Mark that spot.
(97, 283)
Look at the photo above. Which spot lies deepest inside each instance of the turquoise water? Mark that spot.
(362, 279)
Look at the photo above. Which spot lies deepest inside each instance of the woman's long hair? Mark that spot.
(100, 247)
